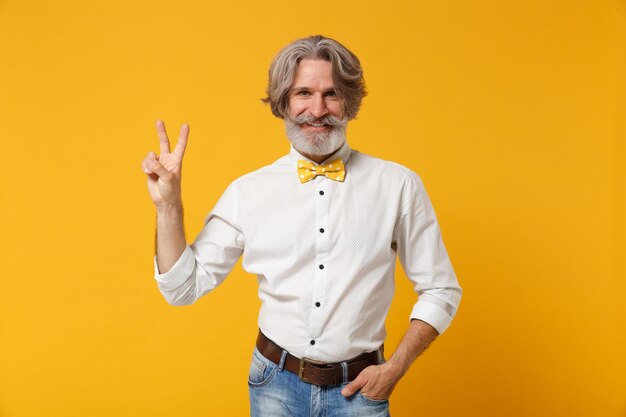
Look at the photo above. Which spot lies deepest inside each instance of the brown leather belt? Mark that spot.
(314, 372)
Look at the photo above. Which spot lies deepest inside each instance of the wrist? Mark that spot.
(168, 208)
(395, 367)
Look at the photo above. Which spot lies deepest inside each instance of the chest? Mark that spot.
(320, 215)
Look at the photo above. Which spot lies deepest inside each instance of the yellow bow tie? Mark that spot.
(333, 170)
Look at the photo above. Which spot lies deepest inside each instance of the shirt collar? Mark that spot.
(343, 152)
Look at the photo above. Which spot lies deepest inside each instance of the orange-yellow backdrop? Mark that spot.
(512, 112)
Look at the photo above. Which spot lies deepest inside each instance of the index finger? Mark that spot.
(181, 145)
(163, 140)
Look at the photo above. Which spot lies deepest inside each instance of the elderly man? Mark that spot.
(321, 228)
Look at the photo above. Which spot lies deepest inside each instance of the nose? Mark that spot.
(318, 106)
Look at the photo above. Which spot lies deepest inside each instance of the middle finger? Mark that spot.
(163, 139)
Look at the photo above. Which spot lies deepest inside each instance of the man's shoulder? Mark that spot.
(390, 169)
(268, 172)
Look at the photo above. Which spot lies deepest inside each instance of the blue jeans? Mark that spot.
(276, 392)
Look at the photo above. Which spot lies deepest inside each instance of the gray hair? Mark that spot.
(347, 73)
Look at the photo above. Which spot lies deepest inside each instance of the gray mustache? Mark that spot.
(327, 120)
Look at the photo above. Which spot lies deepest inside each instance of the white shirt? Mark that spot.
(324, 253)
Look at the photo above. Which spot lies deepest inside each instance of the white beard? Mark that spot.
(315, 144)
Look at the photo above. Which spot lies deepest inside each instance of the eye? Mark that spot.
(303, 93)
(331, 93)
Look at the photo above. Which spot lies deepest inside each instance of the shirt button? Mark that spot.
(317, 304)
(312, 342)
(321, 266)
(321, 192)
(322, 230)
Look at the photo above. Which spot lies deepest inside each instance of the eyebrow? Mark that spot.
(298, 89)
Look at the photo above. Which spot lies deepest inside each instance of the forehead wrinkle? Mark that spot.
(314, 77)
(303, 88)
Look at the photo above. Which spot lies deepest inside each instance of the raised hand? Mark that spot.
(164, 170)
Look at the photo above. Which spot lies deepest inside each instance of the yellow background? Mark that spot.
(512, 112)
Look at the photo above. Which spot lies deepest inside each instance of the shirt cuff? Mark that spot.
(431, 314)
(182, 269)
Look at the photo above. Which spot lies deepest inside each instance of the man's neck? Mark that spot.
(318, 159)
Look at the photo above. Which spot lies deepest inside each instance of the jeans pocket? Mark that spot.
(371, 401)
(261, 370)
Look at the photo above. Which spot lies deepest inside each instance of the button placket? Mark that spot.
(321, 266)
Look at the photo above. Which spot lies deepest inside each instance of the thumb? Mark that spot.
(156, 167)
(353, 386)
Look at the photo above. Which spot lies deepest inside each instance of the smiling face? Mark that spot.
(313, 92)
(316, 124)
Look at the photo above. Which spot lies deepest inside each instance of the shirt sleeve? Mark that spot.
(424, 258)
(207, 262)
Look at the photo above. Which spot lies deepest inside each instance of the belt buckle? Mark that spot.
(303, 362)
